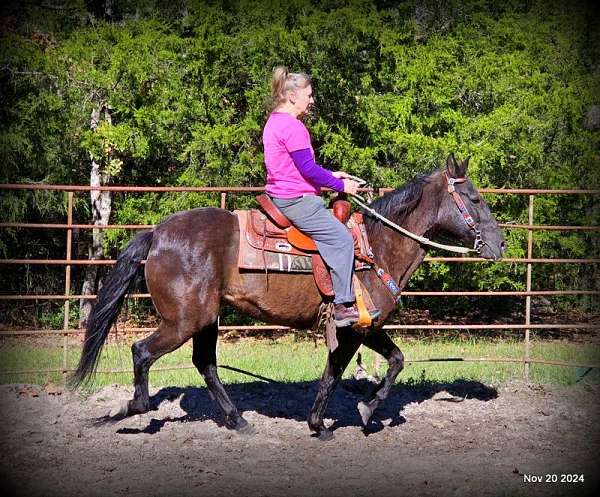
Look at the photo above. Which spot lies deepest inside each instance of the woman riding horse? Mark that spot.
(192, 269)
(294, 184)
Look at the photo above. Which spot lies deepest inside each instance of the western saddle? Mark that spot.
(284, 228)
(269, 231)
(275, 226)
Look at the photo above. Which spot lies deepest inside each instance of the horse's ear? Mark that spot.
(452, 166)
(464, 165)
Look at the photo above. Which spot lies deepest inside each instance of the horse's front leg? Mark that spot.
(381, 343)
(349, 341)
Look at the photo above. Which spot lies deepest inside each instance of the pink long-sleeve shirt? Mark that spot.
(282, 136)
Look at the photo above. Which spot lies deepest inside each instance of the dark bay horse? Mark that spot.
(191, 268)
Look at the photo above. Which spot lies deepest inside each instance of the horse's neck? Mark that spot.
(398, 254)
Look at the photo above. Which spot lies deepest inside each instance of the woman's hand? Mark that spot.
(341, 174)
(350, 186)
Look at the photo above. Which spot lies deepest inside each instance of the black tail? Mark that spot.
(115, 286)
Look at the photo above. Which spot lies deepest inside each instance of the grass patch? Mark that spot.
(291, 359)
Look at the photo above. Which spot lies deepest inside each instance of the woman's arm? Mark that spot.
(315, 174)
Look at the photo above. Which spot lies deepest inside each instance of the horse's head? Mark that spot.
(464, 215)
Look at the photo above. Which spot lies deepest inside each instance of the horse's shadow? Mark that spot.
(294, 400)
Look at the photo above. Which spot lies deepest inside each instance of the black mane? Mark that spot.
(397, 204)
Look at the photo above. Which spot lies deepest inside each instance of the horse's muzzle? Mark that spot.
(493, 252)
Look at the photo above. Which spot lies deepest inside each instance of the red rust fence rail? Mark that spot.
(68, 262)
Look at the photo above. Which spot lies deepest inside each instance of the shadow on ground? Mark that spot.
(294, 400)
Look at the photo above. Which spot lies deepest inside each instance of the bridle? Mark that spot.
(478, 245)
(479, 242)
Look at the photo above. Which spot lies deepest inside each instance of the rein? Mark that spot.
(410, 234)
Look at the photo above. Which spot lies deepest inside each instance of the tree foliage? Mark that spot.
(398, 86)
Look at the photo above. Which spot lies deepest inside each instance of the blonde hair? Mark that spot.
(283, 81)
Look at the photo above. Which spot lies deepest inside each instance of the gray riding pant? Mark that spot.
(332, 238)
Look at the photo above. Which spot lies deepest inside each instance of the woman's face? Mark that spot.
(302, 99)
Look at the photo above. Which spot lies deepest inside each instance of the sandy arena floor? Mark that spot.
(458, 439)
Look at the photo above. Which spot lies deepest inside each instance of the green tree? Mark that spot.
(174, 94)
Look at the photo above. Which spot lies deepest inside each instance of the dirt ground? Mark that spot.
(459, 439)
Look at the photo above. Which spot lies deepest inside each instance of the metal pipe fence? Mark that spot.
(68, 262)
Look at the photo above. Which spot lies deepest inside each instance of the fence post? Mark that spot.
(67, 307)
(528, 287)
(223, 199)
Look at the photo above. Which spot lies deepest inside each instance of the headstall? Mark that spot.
(479, 243)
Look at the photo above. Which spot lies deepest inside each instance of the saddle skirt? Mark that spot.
(264, 246)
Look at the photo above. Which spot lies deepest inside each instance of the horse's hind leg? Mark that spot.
(381, 343)
(145, 352)
(337, 361)
(205, 360)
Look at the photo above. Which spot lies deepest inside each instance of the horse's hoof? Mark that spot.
(119, 413)
(365, 412)
(247, 430)
(242, 427)
(325, 435)
(124, 411)
(133, 407)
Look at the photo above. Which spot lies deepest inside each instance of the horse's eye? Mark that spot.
(473, 198)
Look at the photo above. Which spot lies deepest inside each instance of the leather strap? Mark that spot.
(272, 211)
(364, 318)
(479, 243)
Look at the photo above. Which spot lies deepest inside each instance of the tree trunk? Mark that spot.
(101, 202)
(108, 12)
